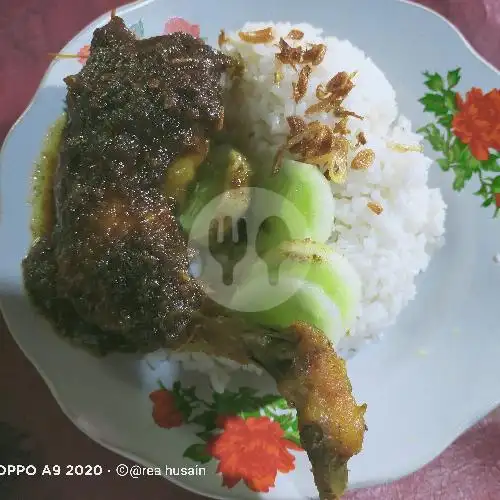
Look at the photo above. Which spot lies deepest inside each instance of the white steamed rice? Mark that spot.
(387, 250)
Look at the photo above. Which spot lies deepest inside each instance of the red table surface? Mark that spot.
(30, 29)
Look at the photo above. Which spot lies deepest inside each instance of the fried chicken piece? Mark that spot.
(331, 424)
(309, 375)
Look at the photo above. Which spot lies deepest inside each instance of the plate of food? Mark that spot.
(255, 249)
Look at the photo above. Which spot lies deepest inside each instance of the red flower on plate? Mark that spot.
(176, 24)
(83, 54)
(477, 122)
(252, 450)
(165, 412)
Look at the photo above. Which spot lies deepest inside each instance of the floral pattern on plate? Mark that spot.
(467, 133)
(250, 435)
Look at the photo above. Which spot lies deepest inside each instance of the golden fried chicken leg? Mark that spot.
(309, 375)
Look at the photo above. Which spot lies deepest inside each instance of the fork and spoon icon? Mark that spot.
(228, 244)
(232, 254)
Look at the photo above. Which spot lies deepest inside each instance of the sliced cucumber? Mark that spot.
(309, 304)
(221, 190)
(308, 190)
(320, 265)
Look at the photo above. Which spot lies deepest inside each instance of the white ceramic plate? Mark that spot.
(418, 404)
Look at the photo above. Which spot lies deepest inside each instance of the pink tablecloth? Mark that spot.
(29, 30)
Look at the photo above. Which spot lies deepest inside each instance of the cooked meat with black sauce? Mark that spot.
(111, 272)
(116, 254)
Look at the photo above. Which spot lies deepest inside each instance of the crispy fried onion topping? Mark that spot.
(288, 54)
(222, 39)
(316, 143)
(331, 96)
(293, 56)
(264, 35)
(363, 160)
(300, 86)
(295, 34)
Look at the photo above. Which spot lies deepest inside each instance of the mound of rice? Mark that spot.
(388, 250)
